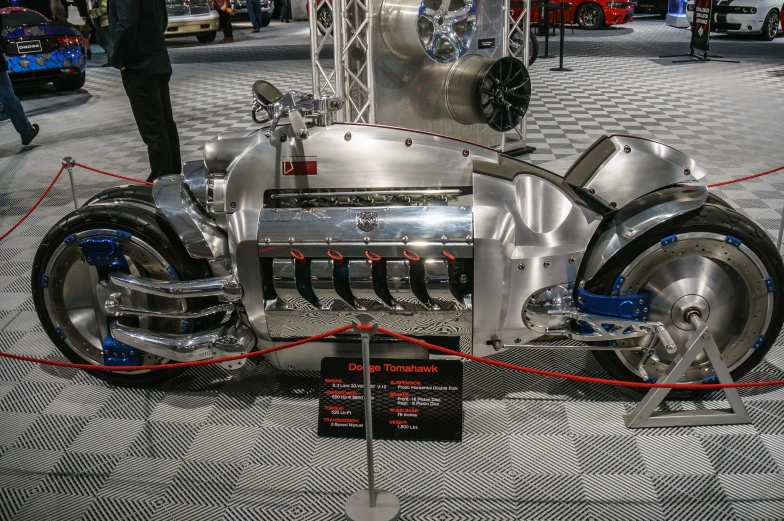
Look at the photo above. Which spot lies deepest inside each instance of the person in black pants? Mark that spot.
(136, 28)
(224, 13)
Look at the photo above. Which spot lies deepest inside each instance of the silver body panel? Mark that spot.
(640, 166)
(529, 235)
(519, 232)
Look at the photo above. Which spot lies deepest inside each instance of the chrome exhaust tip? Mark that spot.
(224, 341)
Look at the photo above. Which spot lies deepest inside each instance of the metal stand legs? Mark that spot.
(370, 504)
(646, 415)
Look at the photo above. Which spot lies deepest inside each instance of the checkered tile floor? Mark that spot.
(213, 445)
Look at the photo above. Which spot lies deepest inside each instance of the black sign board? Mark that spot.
(412, 399)
(486, 43)
(700, 29)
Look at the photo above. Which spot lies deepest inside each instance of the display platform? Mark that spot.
(218, 445)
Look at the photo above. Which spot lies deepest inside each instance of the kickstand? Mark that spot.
(645, 414)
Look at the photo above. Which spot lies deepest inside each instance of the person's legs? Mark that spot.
(284, 11)
(254, 12)
(171, 126)
(105, 40)
(225, 22)
(144, 93)
(13, 107)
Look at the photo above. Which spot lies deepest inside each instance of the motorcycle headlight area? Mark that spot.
(443, 29)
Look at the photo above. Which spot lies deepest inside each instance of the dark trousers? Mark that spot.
(225, 23)
(152, 110)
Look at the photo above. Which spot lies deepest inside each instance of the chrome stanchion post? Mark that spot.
(69, 165)
(781, 231)
(370, 504)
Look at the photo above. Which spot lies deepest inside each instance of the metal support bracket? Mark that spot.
(645, 414)
(371, 504)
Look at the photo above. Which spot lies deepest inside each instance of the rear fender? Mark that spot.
(620, 169)
(635, 219)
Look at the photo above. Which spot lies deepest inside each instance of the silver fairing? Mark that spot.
(529, 234)
(519, 229)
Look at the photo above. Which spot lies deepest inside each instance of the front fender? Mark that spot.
(202, 238)
(620, 169)
(637, 218)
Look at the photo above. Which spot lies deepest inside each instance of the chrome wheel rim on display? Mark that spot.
(76, 307)
(700, 272)
(443, 29)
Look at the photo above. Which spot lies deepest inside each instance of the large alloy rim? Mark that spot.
(446, 33)
(700, 272)
(325, 17)
(590, 16)
(773, 24)
(73, 302)
(505, 94)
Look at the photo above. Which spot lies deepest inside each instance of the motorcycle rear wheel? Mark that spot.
(63, 284)
(701, 270)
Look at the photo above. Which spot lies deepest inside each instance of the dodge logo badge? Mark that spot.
(367, 221)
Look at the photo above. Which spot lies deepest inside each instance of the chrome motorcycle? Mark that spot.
(296, 228)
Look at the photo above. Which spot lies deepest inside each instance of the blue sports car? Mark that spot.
(39, 50)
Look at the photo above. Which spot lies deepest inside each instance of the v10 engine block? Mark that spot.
(411, 266)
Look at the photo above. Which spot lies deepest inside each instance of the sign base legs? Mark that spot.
(358, 507)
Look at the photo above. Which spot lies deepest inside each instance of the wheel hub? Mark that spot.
(687, 305)
(700, 273)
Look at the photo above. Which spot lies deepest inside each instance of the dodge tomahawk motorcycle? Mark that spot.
(293, 230)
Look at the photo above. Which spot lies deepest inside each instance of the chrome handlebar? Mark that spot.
(294, 105)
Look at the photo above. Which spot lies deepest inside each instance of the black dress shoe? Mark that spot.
(29, 140)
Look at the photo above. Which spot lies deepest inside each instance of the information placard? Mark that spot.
(412, 399)
(700, 30)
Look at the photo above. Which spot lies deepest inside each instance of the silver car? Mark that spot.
(197, 18)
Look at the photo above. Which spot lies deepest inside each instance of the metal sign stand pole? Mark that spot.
(69, 166)
(371, 504)
(646, 415)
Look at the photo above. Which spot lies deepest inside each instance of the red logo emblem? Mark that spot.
(28, 32)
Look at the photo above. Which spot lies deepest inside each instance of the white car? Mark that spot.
(197, 18)
(761, 17)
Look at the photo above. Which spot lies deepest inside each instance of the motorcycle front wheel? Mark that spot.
(714, 261)
(65, 293)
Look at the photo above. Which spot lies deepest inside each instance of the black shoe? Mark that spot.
(29, 140)
(288, 21)
(107, 64)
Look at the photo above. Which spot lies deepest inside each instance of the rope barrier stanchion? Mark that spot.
(102, 172)
(69, 166)
(178, 365)
(746, 178)
(574, 377)
(38, 202)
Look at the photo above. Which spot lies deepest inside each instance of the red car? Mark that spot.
(588, 14)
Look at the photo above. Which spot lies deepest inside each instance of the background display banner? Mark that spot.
(700, 29)
(412, 399)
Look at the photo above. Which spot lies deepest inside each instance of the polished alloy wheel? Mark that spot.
(703, 273)
(75, 304)
(446, 32)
